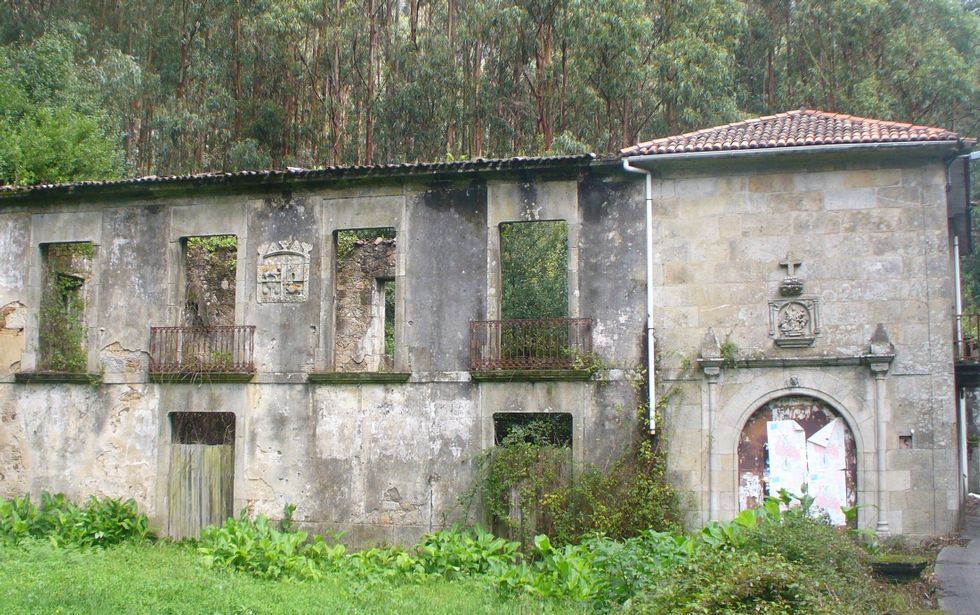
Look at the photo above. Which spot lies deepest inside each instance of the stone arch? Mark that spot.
(813, 442)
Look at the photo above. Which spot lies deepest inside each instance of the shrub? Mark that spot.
(98, 523)
(455, 552)
(632, 497)
(513, 478)
(255, 547)
(834, 561)
(724, 581)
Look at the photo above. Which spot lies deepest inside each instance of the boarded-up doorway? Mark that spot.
(796, 441)
(202, 471)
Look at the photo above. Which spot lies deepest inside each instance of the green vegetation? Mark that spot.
(97, 523)
(772, 559)
(534, 271)
(168, 578)
(205, 86)
(52, 126)
(512, 478)
(389, 292)
(61, 334)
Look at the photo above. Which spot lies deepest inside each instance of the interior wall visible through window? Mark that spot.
(210, 264)
(364, 285)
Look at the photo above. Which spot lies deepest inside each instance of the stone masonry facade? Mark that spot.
(786, 279)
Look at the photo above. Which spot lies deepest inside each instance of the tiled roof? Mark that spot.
(793, 128)
(325, 173)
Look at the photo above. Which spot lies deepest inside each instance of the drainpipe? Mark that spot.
(958, 296)
(651, 386)
(960, 393)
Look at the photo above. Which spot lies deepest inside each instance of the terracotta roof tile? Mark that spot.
(793, 128)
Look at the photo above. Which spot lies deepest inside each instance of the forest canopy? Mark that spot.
(105, 88)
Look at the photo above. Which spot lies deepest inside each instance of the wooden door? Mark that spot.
(202, 472)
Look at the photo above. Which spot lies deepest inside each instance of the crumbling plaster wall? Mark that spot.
(14, 242)
(385, 462)
(873, 243)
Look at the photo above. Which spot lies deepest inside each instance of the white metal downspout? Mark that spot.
(960, 394)
(651, 388)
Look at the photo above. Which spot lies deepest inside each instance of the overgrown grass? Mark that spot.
(771, 559)
(166, 578)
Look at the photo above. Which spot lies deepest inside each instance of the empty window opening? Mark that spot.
(534, 270)
(61, 327)
(210, 428)
(210, 264)
(553, 429)
(365, 300)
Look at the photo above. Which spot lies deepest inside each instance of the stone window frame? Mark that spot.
(556, 201)
(61, 228)
(347, 212)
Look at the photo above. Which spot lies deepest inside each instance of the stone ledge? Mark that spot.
(201, 377)
(529, 375)
(814, 361)
(69, 377)
(358, 377)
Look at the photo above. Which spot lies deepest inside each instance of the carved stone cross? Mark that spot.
(791, 263)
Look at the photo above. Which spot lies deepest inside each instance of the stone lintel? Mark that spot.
(820, 361)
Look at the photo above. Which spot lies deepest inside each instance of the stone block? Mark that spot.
(871, 178)
(849, 198)
(898, 480)
(775, 182)
(785, 202)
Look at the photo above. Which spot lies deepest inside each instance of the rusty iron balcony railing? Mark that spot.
(966, 334)
(548, 343)
(202, 350)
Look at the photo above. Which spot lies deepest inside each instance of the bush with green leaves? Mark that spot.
(631, 497)
(256, 547)
(727, 581)
(456, 552)
(97, 523)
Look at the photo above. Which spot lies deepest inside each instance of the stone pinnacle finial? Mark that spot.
(710, 348)
(881, 345)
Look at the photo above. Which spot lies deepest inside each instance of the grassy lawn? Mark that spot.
(167, 578)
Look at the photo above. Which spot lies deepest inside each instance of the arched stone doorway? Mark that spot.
(795, 440)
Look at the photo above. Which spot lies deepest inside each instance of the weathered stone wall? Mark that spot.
(388, 461)
(384, 462)
(872, 241)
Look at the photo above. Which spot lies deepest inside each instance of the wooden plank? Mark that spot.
(201, 487)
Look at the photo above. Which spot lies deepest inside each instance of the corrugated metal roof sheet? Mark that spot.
(326, 173)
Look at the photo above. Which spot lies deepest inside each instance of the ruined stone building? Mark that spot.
(335, 338)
